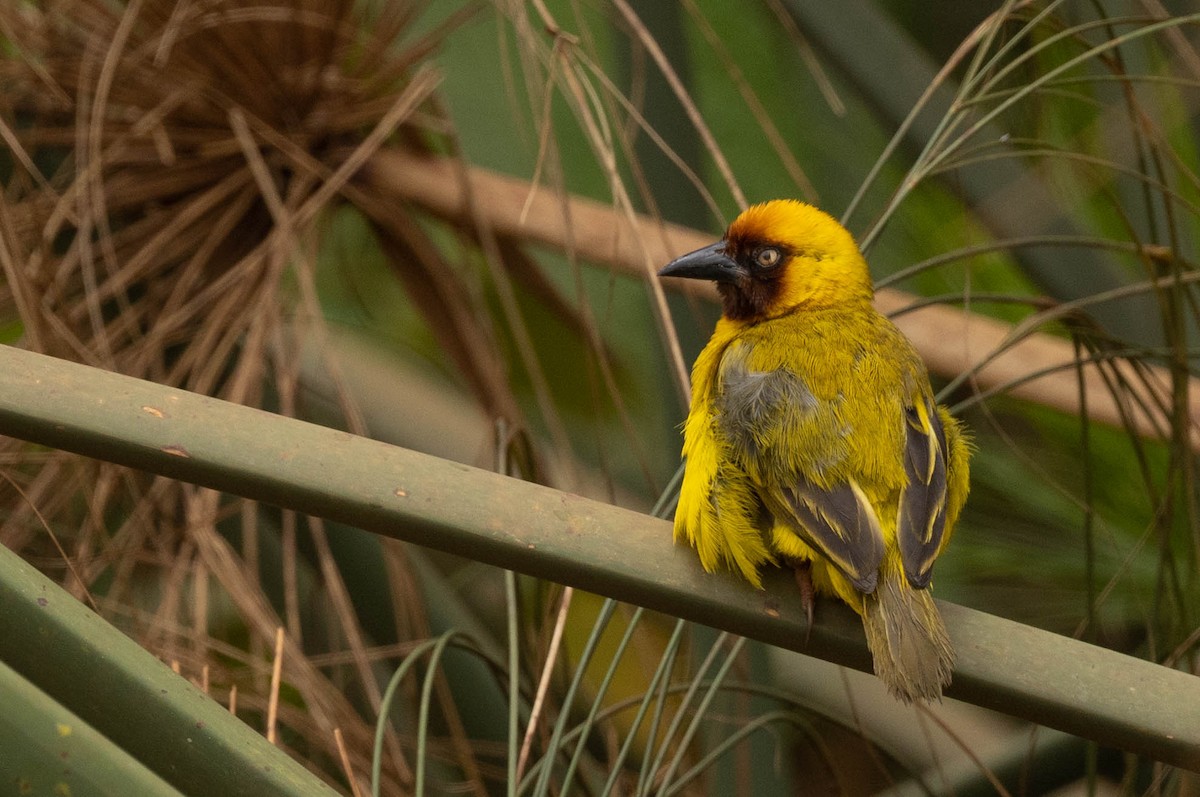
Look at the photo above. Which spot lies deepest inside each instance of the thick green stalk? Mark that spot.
(118, 690)
(1063, 683)
(47, 749)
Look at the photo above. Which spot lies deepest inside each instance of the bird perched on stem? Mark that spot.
(814, 440)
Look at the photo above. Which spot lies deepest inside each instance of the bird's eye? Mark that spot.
(768, 256)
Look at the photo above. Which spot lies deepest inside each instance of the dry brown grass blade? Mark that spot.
(518, 327)
(335, 586)
(952, 341)
(325, 705)
(80, 584)
(347, 767)
(462, 332)
(564, 66)
(527, 273)
(762, 117)
(643, 36)
(596, 231)
(49, 489)
(581, 321)
(276, 681)
(543, 688)
(190, 151)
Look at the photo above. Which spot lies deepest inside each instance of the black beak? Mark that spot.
(709, 263)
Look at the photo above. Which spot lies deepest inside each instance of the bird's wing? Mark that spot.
(922, 518)
(840, 523)
(788, 441)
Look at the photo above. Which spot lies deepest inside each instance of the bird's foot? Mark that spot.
(803, 572)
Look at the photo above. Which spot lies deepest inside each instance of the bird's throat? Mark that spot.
(747, 301)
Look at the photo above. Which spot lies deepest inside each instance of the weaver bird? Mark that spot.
(814, 439)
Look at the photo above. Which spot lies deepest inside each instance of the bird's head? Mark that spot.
(778, 257)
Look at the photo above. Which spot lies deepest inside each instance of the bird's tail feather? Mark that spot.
(908, 639)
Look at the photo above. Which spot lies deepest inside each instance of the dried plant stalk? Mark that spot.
(1033, 366)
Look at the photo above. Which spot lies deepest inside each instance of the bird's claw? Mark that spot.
(803, 571)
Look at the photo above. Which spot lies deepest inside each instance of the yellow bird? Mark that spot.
(814, 440)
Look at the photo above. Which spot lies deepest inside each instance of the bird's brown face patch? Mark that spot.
(764, 263)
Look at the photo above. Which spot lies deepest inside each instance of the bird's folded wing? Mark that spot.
(840, 523)
(922, 519)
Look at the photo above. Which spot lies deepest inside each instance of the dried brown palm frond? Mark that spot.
(172, 166)
(171, 156)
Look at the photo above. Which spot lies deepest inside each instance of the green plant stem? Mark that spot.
(514, 679)
(554, 746)
(102, 676)
(1099, 694)
(49, 750)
